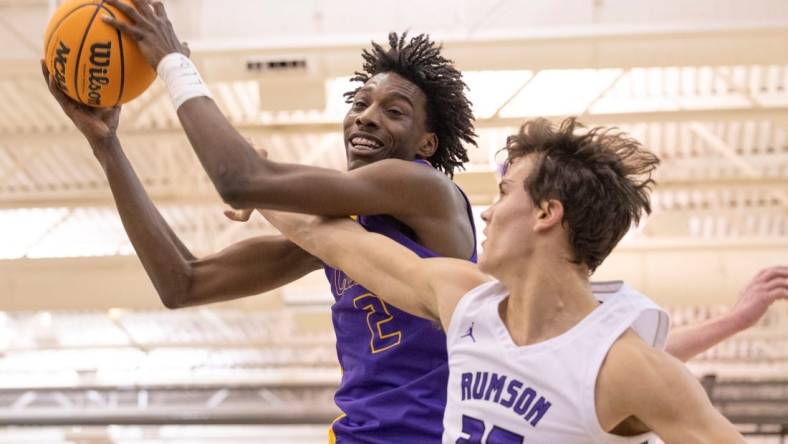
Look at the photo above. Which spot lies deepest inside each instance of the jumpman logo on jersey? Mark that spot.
(469, 333)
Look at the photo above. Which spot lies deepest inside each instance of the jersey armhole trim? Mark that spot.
(591, 420)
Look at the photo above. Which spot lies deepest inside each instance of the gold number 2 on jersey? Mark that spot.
(377, 316)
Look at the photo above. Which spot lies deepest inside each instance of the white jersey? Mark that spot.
(501, 393)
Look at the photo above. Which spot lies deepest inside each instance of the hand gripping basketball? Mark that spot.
(97, 124)
(93, 62)
(150, 27)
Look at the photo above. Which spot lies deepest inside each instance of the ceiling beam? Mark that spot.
(70, 134)
(708, 269)
(584, 47)
(480, 186)
(726, 150)
(100, 198)
(622, 47)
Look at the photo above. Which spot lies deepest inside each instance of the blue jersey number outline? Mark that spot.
(474, 428)
(377, 316)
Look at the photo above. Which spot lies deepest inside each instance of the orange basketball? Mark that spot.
(91, 61)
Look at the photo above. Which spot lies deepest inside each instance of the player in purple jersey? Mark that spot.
(404, 134)
(411, 106)
(391, 349)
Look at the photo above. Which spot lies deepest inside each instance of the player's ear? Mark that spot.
(428, 145)
(549, 214)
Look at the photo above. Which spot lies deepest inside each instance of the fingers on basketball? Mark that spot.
(123, 27)
(89, 29)
(53, 89)
(129, 11)
(158, 9)
(144, 7)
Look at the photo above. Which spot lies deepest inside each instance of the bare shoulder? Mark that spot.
(451, 279)
(398, 167)
(626, 375)
(450, 272)
(637, 379)
(627, 347)
(409, 175)
(427, 201)
(632, 368)
(651, 389)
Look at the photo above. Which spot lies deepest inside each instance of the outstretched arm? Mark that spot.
(180, 278)
(637, 381)
(429, 288)
(768, 286)
(244, 180)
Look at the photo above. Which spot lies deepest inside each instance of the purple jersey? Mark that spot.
(395, 366)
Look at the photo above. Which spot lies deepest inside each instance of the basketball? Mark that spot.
(92, 62)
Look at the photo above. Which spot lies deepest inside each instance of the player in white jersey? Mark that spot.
(493, 393)
(534, 357)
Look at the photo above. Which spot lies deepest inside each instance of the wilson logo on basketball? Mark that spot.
(61, 60)
(97, 74)
(92, 62)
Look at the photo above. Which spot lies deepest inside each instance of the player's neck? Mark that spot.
(548, 297)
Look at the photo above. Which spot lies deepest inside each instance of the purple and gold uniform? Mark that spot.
(394, 365)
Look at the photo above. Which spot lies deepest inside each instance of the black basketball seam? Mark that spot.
(56, 28)
(82, 45)
(122, 56)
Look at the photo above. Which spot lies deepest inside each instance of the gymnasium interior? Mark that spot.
(88, 353)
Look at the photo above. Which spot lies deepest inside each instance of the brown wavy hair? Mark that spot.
(602, 177)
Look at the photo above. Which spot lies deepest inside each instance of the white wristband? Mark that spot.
(182, 78)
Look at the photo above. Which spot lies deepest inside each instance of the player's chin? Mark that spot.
(489, 262)
(483, 263)
(355, 161)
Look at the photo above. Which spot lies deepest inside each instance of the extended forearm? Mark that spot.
(320, 237)
(163, 255)
(768, 286)
(225, 155)
(689, 341)
(383, 266)
(339, 242)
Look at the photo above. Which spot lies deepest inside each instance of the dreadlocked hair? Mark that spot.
(449, 113)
